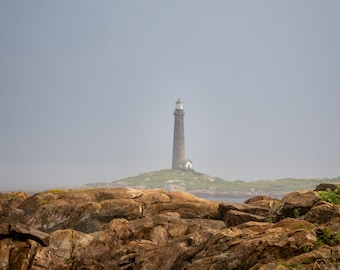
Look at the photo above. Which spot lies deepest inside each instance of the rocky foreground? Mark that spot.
(153, 229)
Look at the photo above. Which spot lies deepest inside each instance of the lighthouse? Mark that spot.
(179, 161)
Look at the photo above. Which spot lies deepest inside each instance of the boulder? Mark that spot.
(4, 230)
(259, 198)
(234, 218)
(323, 258)
(235, 213)
(22, 232)
(325, 186)
(9, 203)
(186, 205)
(298, 203)
(176, 254)
(83, 216)
(21, 255)
(321, 213)
(152, 229)
(67, 247)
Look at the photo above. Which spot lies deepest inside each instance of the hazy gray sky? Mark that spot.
(88, 89)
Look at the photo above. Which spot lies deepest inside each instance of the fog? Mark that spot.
(88, 89)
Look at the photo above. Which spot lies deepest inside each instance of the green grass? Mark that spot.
(332, 196)
(160, 179)
(195, 181)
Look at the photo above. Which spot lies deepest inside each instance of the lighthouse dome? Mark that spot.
(179, 105)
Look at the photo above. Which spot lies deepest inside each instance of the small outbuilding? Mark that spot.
(187, 165)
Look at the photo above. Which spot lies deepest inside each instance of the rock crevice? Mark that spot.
(154, 229)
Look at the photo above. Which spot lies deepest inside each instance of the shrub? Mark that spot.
(326, 236)
(332, 196)
(297, 213)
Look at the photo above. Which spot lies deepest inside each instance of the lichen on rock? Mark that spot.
(154, 229)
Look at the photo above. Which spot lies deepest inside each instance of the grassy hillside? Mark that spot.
(189, 180)
(196, 182)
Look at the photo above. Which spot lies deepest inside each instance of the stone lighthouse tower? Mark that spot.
(179, 160)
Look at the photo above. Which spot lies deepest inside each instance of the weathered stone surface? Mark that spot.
(9, 203)
(325, 186)
(234, 218)
(4, 230)
(320, 213)
(235, 214)
(19, 254)
(187, 205)
(259, 198)
(298, 202)
(21, 231)
(323, 258)
(152, 229)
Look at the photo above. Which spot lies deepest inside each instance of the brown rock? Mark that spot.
(9, 203)
(298, 202)
(245, 212)
(151, 229)
(187, 205)
(254, 244)
(325, 186)
(4, 230)
(324, 257)
(176, 254)
(320, 213)
(5, 247)
(234, 218)
(20, 256)
(153, 196)
(22, 232)
(255, 199)
(159, 235)
(67, 247)
(84, 216)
